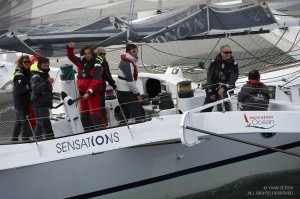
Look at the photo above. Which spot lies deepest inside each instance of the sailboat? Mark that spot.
(177, 151)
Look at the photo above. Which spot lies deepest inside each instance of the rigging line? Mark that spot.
(266, 79)
(241, 141)
(287, 15)
(172, 54)
(143, 60)
(292, 74)
(275, 64)
(291, 80)
(255, 61)
(271, 55)
(254, 57)
(294, 44)
(254, 41)
(249, 51)
(266, 71)
(206, 59)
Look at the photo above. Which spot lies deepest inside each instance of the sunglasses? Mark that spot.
(229, 52)
(26, 62)
(134, 51)
(102, 53)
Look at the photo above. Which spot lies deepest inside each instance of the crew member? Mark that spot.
(90, 86)
(221, 76)
(21, 94)
(128, 94)
(106, 76)
(42, 96)
(254, 95)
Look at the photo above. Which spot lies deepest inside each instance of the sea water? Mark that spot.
(280, 185)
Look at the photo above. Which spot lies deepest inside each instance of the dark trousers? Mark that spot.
(130, 106)
(21, 125)
(219, 106)
(103, 108)
(43, 124)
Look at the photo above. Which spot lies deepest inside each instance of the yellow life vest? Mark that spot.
(34, 67)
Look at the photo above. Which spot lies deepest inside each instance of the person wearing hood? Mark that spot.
(21, 96)
(221, 76)
(90, 86)
(42, 96)
(128, 94)
(254, 95)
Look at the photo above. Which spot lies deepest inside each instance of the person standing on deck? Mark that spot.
(106, 77)
(127, 92)
(221, 76)
(90, 86)
(33, 64)
(42, 96)
(21, 94)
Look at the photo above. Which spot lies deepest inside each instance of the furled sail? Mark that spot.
(251, 16)
(26, 28)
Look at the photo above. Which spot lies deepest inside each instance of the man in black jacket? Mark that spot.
(42, 96)
(106, 77)
(221, 76)
(254, 95)
(21, 93)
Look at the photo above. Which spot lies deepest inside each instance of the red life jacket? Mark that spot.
(252, 81)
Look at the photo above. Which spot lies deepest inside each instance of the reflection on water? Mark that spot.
(266, 186)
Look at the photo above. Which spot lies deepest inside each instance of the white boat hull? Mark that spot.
(153, 171)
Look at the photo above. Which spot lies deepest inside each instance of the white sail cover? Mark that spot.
(48, 25)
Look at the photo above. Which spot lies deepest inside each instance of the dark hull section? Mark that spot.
(155, 171)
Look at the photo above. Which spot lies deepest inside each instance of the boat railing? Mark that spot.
(61, 123)
(190, 139)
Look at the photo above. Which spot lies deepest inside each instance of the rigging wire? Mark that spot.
(212, 50)
(249, 51)
(143, 60)
(255, 61)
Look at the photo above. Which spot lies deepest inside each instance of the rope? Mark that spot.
(142, 59)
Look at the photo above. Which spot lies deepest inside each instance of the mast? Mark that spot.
(130, 19)
(159, 6)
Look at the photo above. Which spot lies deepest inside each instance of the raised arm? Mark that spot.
(72, 57)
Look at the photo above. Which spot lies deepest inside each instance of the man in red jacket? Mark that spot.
(89, 84)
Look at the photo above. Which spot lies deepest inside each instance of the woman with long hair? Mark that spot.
(21, 94)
